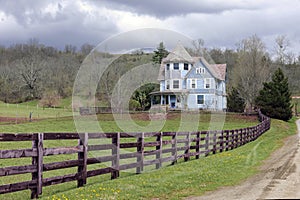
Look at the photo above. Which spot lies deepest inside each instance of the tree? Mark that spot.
(235, 103)
(274, 99)
(282, 43)
(30, 70)
(142, 95)
(160, 53)
(198, 47)
(251, 70)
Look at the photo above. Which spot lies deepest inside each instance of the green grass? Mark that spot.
(23, 110)
(108, 124)
(172, 182)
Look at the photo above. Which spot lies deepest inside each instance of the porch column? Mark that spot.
(161, 99)
(169, 97)
(151, 97)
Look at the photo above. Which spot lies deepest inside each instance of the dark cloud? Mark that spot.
(163, 8)
(54, 23)
(220, 23)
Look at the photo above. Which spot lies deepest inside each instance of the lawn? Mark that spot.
(174, 182)
(22, 111)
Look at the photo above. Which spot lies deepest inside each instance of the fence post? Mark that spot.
(82, 158)
(197, 145)
(38, 162)
(187, 145)
(115, 152)
(207, 143)
(214, 142)
(159, 150)
(227, 139)
(174, 148)
(221, 141)
(233, 143)
(241, 137)
(140, 151)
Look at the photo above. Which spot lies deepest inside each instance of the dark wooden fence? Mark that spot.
(166, 147)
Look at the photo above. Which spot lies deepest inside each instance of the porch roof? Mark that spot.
(169, 92)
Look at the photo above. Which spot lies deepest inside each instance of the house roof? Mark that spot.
(220, 69)
(178, 54)
(217, 70)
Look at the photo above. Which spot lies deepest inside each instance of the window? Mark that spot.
(193, 83)
(176, 66)
(168, 66)
(200, 70)
(186, 66)
(200, 99)
(175, 84)
(167, 85)
(207, 83)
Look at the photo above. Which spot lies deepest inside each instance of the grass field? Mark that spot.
(173, 182)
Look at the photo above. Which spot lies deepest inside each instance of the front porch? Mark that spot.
(172, 100)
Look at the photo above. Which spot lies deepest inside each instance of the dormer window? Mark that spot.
(176, 66)
(200, 70)
(168, 66)
(186, 66)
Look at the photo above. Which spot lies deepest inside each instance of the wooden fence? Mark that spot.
(166, 147)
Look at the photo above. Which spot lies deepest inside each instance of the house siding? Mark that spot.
(198, 70)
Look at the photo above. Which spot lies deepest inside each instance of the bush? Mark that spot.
(50, 99)
(134, 105)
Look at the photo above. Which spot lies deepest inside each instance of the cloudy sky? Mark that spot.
(221, 23)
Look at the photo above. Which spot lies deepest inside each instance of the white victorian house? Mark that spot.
(188, 83)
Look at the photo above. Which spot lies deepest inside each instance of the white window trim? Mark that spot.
(179, 84)
(209, 81)
(166, 83)
(174, 66)
(187, 66)
(191, 81)
(203, 99)
(200, 70)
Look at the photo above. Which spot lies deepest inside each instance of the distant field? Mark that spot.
(64, 122)
(23, 110)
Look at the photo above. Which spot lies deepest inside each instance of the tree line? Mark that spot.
(33, 70)
(30, 71)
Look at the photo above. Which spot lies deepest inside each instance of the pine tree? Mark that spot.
(274, 99)
(160, 53)
(235, 103)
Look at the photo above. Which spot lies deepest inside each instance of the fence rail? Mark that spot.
(162, 146)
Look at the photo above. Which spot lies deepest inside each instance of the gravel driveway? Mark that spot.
(279, 177)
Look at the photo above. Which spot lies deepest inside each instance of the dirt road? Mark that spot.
(279, 177)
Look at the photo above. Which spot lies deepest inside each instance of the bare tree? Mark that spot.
(282, 44)
(86, 48)
(198, 46)
(252, 69)
(30, 69)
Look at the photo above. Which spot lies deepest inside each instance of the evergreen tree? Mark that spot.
(160, 53)
(235, 103)
(274, 99)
